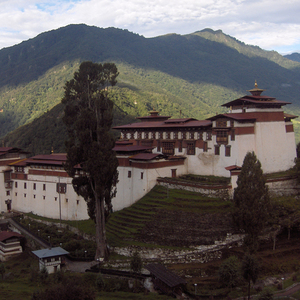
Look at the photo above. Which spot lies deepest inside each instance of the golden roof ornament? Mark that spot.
(256, 91)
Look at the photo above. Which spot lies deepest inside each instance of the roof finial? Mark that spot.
(52, 150)
(256, 91)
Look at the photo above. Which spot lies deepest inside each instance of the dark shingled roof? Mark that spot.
(166, 276)
(259, 100)
(5, 235)
(234, 167)
(145, 156)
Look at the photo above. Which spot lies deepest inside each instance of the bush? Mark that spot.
(229, 272)
(266, 294)
(100, 284)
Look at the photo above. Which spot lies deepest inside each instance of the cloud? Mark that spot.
(270, 24)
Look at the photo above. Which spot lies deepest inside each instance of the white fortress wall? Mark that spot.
(272, 146)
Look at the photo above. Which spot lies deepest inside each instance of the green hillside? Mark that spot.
(189, 75)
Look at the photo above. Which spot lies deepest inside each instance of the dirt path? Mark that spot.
(79, 266)
(289, 291)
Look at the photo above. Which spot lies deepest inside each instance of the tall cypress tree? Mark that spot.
(88, 118)
(251, 200)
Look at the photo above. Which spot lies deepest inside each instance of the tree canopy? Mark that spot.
(90, 160)
(251, 200)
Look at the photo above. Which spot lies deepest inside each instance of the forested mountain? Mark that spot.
(293, 56)
(188, 75)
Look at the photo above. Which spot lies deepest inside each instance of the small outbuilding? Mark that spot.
(165, 280)
(10, 244)
(51, 258)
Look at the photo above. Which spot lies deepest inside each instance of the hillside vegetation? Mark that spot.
(179, 75)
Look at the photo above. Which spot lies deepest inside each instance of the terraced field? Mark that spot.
(172, 218)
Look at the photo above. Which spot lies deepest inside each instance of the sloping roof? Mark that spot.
(5, 235)
(234, 167)
(235, 116)
(186, 123)
(50, 252)
(145, 156)
(289, 116)
(131, 148)
(259, 100)
(56, 159)
(166, 276)
(179, 120)
(4, 150)
(8, 162)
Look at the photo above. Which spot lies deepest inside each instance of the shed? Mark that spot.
(10, 244)
(165, 280)
(51, 258)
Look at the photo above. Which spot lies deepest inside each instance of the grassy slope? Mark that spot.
(169, 218)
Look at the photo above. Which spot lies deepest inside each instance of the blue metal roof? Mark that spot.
(50, 252)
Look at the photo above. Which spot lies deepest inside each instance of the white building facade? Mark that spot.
(157, 146)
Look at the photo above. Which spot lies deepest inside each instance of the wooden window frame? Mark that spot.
(190, 148)
(217, 149)
(168, 148)
(228, 151)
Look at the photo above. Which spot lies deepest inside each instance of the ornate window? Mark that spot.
(61, 188)
(222, 137)
(168, 148)
(221, 123)
(190, 148)
(208, 135)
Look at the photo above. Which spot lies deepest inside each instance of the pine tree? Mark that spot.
(250, 270)
(88, 118)
(251, 200)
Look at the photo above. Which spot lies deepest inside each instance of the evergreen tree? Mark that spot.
(88, 118)
(250, 270)
(251, 200)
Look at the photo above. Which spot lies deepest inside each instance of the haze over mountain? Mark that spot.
(179, 75)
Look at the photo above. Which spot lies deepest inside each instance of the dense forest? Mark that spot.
(178, 75)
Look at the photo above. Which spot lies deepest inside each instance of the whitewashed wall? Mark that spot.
(46, 202)
(130, 190)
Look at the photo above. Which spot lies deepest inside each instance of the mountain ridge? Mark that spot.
(189, 75)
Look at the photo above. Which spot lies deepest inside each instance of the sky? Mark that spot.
(269, 24)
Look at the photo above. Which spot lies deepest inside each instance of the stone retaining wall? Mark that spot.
(285, 186)
(221, 191)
